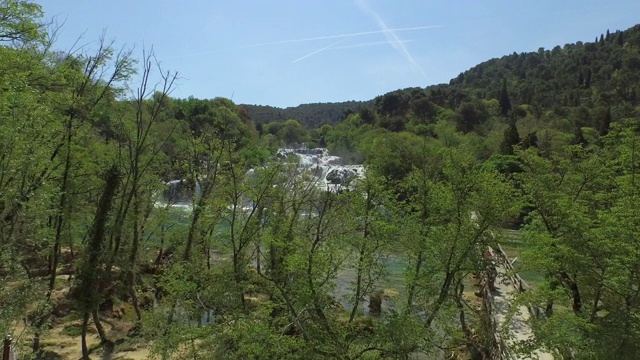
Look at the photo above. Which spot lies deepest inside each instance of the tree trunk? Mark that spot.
(35, 345)
(573, 288)
(412, 286)
(194, 221)
(99, 327)
(133, 257)
(90, 273)
(549, 309)
(55, 252)
(85, 325)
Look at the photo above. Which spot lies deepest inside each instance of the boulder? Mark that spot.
(340, 175)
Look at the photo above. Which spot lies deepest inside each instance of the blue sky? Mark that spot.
(287, 52)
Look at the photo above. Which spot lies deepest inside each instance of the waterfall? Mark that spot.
(179, 193)
(329, 170)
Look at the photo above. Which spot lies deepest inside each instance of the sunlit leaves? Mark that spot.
(584, 224)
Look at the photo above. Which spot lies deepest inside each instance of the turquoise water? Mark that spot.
(393, 279)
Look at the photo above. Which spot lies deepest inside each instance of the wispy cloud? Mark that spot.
(392, 37)
(359, 45)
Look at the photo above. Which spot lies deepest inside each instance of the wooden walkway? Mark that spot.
(518, 326)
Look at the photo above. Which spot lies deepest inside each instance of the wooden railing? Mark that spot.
(520, 285)
(498, 347)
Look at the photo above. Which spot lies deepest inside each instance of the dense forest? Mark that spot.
(309, 115)
(537, 151)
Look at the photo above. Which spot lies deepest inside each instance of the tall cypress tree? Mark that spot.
(511, 138)
(620, 39)
(580, 79)
(531, 140)
(578, 137)
(505, 103)
(604, 123)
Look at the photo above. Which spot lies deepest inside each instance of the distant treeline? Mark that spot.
(309, 115)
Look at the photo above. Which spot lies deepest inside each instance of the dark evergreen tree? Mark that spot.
(392, 104)
(367, 115)
(423, 109)
(470, 116)
(346, 113)
(580, 80)
(601, 39)
(620, 39)
(604, 122)
(505, 103)
(391, 123)
(578, 137)
(587, 79)
(608, 37)
(511, 138)
(531, 140)
(322, 143)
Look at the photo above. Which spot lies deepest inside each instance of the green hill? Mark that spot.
(584, 82)
(310, 115)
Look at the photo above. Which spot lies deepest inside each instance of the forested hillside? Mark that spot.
(309, 115)
(576, 89)
(580, 74)
(134, 224)
(571, 89)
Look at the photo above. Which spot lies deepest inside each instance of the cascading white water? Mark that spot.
(179, 194)
(329, 170)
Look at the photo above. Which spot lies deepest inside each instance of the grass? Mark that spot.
(73, 330)
(63, 341)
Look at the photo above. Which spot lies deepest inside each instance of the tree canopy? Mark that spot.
(135, 219)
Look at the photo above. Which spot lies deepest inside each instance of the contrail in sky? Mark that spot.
(333, 47)
(338, 36)
(321, 49)
(390, 34)
(382, 31)
(367, 44)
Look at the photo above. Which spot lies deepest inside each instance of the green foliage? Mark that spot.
(392, 155)
(309, 115)
(511, 138)
(219, 117)
(504, 164)
(73, 330)
(291, 132)
(582, 236)
(505, 103)
(260, 262)
(20, 22)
